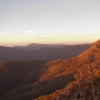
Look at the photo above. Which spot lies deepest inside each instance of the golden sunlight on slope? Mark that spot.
(62, 67)
(81, 63)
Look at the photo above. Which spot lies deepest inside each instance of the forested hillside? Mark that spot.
(46, 80)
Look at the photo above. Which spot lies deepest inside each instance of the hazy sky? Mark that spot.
(49, 21)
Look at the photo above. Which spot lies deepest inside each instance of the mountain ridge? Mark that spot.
(13, 54)
(54, 77)
(36, 46)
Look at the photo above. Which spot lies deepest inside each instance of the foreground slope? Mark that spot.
(54, 77)
(82, 61)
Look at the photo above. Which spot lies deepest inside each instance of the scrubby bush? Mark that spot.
(89, 83)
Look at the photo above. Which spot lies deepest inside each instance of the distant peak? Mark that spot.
(34, 44)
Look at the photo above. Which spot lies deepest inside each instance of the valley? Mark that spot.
(45, 80)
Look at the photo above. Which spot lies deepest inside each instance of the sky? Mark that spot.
(49, 21)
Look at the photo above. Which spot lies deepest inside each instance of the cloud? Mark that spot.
(98, 20)
(29, 31)
(3, 33)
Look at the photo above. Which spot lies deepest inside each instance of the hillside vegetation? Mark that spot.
(42, 80)
(14, 74)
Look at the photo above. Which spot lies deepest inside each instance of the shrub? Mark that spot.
(89, 83)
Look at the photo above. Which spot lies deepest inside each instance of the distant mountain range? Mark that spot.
(35, 46)
(46, 53)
